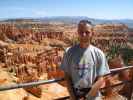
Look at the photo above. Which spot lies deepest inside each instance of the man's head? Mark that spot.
(85, 31)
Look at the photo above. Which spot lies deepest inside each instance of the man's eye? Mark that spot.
(87, 32)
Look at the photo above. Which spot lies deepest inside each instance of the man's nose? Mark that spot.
(84, 34)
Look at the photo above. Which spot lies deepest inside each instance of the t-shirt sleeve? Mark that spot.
(65, 63)
(103, 67)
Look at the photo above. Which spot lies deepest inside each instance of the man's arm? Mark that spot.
(69, 87)
(102, 69)
(96, 86)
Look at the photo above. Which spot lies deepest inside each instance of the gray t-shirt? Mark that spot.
(84, 65)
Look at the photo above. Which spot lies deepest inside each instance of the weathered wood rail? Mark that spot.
(32, 84)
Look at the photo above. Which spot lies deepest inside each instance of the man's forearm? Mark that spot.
(70, 88)
(96, 86)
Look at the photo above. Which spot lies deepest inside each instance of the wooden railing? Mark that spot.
(31, 84)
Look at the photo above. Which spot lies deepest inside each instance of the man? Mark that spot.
(84, 65)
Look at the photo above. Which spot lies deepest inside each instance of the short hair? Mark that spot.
(83, 23)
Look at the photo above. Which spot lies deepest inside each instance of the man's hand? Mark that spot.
(97, 85)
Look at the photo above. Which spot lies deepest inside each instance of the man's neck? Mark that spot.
(84, 45)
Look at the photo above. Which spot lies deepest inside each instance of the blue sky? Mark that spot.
(102, 9)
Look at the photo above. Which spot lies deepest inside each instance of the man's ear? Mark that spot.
(92, 30)
(93, 33)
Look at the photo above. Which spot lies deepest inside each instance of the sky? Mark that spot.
(100, 9)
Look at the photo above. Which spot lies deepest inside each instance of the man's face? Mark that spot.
(85, 33)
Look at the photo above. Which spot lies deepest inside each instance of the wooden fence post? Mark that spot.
(131, 86)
